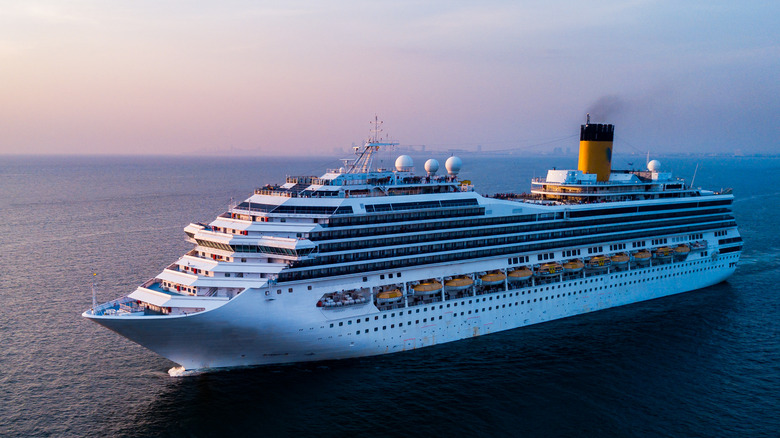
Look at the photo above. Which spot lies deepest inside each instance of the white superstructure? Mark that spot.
(364, 261)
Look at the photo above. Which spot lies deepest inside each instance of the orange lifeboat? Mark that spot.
(599, 262)
(458, 283)
(575, 265)
(427, 287)
(681, 251)
(549, 269)
(642, 257)
(620, 259)
(389, 296)
(492, 278)
(520, 274)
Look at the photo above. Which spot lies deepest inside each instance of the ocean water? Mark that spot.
(705, 363)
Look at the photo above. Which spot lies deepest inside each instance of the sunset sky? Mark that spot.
(292, 77)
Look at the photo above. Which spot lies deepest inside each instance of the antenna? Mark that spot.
(376, 129)
(694, 174)
(94, 296)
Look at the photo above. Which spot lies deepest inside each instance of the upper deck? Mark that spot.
(357, 178)
(577, 187)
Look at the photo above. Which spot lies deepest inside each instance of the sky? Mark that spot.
(306, 77)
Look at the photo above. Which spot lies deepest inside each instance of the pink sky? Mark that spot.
(175, 77)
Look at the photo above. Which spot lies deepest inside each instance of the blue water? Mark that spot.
(705, 363)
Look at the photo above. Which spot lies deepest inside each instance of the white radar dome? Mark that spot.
(432, 166)
(654, 166)
(453, 165)
(404, 163)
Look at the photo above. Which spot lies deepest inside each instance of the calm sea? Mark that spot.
(705, 363)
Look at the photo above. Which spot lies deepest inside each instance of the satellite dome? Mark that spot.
(404, 163)
(654, 166)
(432, 166)
(453, 165)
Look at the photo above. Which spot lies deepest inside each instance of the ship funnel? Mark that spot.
(596, 149)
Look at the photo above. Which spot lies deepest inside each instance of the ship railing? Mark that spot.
(120, 305)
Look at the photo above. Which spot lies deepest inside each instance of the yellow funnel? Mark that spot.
(596, 150)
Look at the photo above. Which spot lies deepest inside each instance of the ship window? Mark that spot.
(365, 279)
(357, 332)
(331, 325)
(341, 323)
(278, 291)
(289, 290)
(309, 287)
(416, 321)
(392, 325)
(400, 324)
(349, 322)
(376, 329)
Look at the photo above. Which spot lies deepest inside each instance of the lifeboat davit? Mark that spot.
(427, 288)
(492, 278)
(642, 257)
(681, 251)
(663, 252)
(458, 283)
(620, 259)
(389, 296)
(549, 269)
(599, 262)
(575, 265)
(520, 274)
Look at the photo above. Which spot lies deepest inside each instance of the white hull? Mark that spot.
(255, 329)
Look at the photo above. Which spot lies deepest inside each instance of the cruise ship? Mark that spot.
(365, 261)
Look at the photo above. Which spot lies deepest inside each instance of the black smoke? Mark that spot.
(606, 109)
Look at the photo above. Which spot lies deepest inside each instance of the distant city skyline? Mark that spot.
(287, 78)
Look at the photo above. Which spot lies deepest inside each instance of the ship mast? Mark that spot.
(365, 158)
